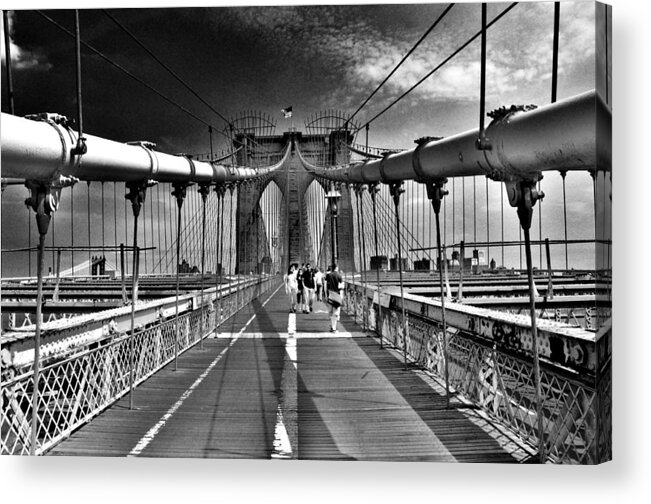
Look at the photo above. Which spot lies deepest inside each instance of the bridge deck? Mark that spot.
(255, 392)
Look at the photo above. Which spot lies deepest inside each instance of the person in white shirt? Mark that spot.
(318, 280)
(291, 287)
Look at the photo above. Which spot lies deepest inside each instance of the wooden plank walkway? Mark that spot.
(256, 392)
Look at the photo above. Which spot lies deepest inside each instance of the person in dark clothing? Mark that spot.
(308, 288)
(334, 283)
(299, 277)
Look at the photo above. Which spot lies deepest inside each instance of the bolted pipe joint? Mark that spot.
(137, 195)
(180, 191)
(523, 196)
(396, 189)
(436, 192)
(204, 191)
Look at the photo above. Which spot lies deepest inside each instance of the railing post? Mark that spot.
(204, 190)
(137, 194)
(396, 190)
(220, 190)
(523, 195)
(550, 283)
(122, 275)
(435, 193)
(373, 190)
(44, 200)
(179, 192)
(361, 189)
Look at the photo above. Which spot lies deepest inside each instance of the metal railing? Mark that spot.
(76, 388)
(576, 404)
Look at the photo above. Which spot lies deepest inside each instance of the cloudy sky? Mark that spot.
(313, 58)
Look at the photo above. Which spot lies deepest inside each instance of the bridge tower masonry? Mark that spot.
(293, 180)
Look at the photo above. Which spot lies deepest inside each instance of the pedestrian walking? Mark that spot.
(318, 281)
(334, 285)
(291, 287)
(308, 288)
(299, 278)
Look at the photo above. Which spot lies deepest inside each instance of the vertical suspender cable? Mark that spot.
(115, 222)
(137, 196)
(204, 190)
(396, 190)
(126, 225)
(563, 174)
(540, 242)
(364, 269)
(37, 344)
(179, 193)
(359, 247)
(88, 223)
(72, 230)
(103, 240)
(488, 228)
(144, 238)
(151, 229)
(219, 263)
(436, 194)
(53, 233)
(502, 219)
(230, 250)
(165, 215)
(159, 242)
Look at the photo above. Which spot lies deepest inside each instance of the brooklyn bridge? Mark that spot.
(144, 306)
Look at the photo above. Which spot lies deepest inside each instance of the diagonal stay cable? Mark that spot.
(161, 63)
(438, 67)
(438, 20)
(121, 68)
(177, 77)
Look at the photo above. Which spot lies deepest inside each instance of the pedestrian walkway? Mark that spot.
(257, 391)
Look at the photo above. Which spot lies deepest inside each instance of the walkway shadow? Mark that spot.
(313, 433)
(465, 440)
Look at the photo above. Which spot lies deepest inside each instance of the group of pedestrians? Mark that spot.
(304, 284)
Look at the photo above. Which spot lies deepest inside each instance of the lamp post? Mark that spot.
(332, 197)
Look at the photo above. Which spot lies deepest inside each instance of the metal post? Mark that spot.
(122, 275)
(436, 192)
(523, 195)
(563, 174)
(362, 188)
(220, 190)
(44, 200)
(137, 194)
(396, 190)
(374, 189)
(204, 190)
(550, 284)
(179, 193)
(462, 255)
(359, 247)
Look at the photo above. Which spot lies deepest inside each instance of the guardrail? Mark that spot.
(97, 371)
(490, 364)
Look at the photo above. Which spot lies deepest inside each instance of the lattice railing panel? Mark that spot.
(76, 389)
(576, 414)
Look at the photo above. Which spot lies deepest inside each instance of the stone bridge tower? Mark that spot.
(293, 181)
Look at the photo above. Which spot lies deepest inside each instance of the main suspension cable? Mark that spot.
(161, 63)
(121, 68)
(438, 20)
(438, 67)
